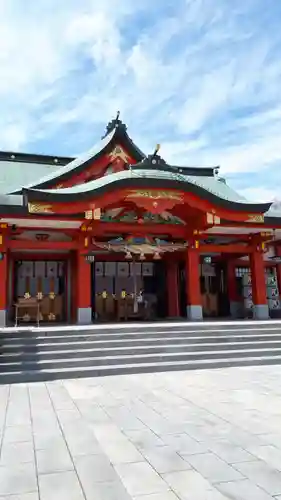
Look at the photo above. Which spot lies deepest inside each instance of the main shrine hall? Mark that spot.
(119, 235)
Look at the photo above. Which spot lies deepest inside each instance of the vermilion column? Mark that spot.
(3, 288)
(261, 310)
(173, 289)
(234, 302)
(193, 292)
(84, 290)
(278, 270)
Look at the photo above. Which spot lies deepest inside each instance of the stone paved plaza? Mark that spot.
(201, 435)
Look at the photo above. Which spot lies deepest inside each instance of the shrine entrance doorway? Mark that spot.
(40, 290)
(128, 291)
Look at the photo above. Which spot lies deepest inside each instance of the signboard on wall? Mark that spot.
(208, 270)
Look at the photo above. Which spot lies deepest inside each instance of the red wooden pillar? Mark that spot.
(193, 292)
(73, 289)
(173, 289)
(84, 289)
(278, 270)
(3, 287)
(261, 310)
(233, 296)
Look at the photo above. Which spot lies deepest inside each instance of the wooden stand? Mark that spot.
(32, 305)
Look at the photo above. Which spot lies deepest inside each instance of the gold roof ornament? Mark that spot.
(119, 152)
(39, 208)
(157, 148)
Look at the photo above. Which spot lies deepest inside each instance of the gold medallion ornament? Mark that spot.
(104, 294)
(123, 294)
(27, 295)
(39, 296)
(51, 317)
(52, 295)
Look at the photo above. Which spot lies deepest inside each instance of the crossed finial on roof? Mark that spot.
(116, 122)
(157, 148)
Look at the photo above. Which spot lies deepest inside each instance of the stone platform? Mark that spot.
(204, 435)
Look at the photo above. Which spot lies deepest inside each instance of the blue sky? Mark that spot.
(202, 77)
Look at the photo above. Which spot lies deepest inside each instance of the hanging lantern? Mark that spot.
(157, 256)
(207, 259)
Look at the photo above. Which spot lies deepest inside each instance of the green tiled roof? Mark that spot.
(14, 175)
(211, 184)
(49, 176)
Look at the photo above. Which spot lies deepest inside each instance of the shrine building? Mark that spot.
(116, 234)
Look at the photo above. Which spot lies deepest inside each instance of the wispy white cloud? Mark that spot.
(200, 76)
(258, 193)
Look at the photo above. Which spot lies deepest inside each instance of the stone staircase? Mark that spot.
(38, 354)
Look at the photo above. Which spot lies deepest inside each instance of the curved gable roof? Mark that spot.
(209, 188)
(119, 133)
(60, 173)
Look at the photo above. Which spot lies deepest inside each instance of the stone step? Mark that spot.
(55, 353)
(147, 367)
(96, 361)
(47, 344)
(100, 335)
(138, 333)
(10, 355)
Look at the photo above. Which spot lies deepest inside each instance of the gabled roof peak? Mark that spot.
(114, 124)
(154, 160)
